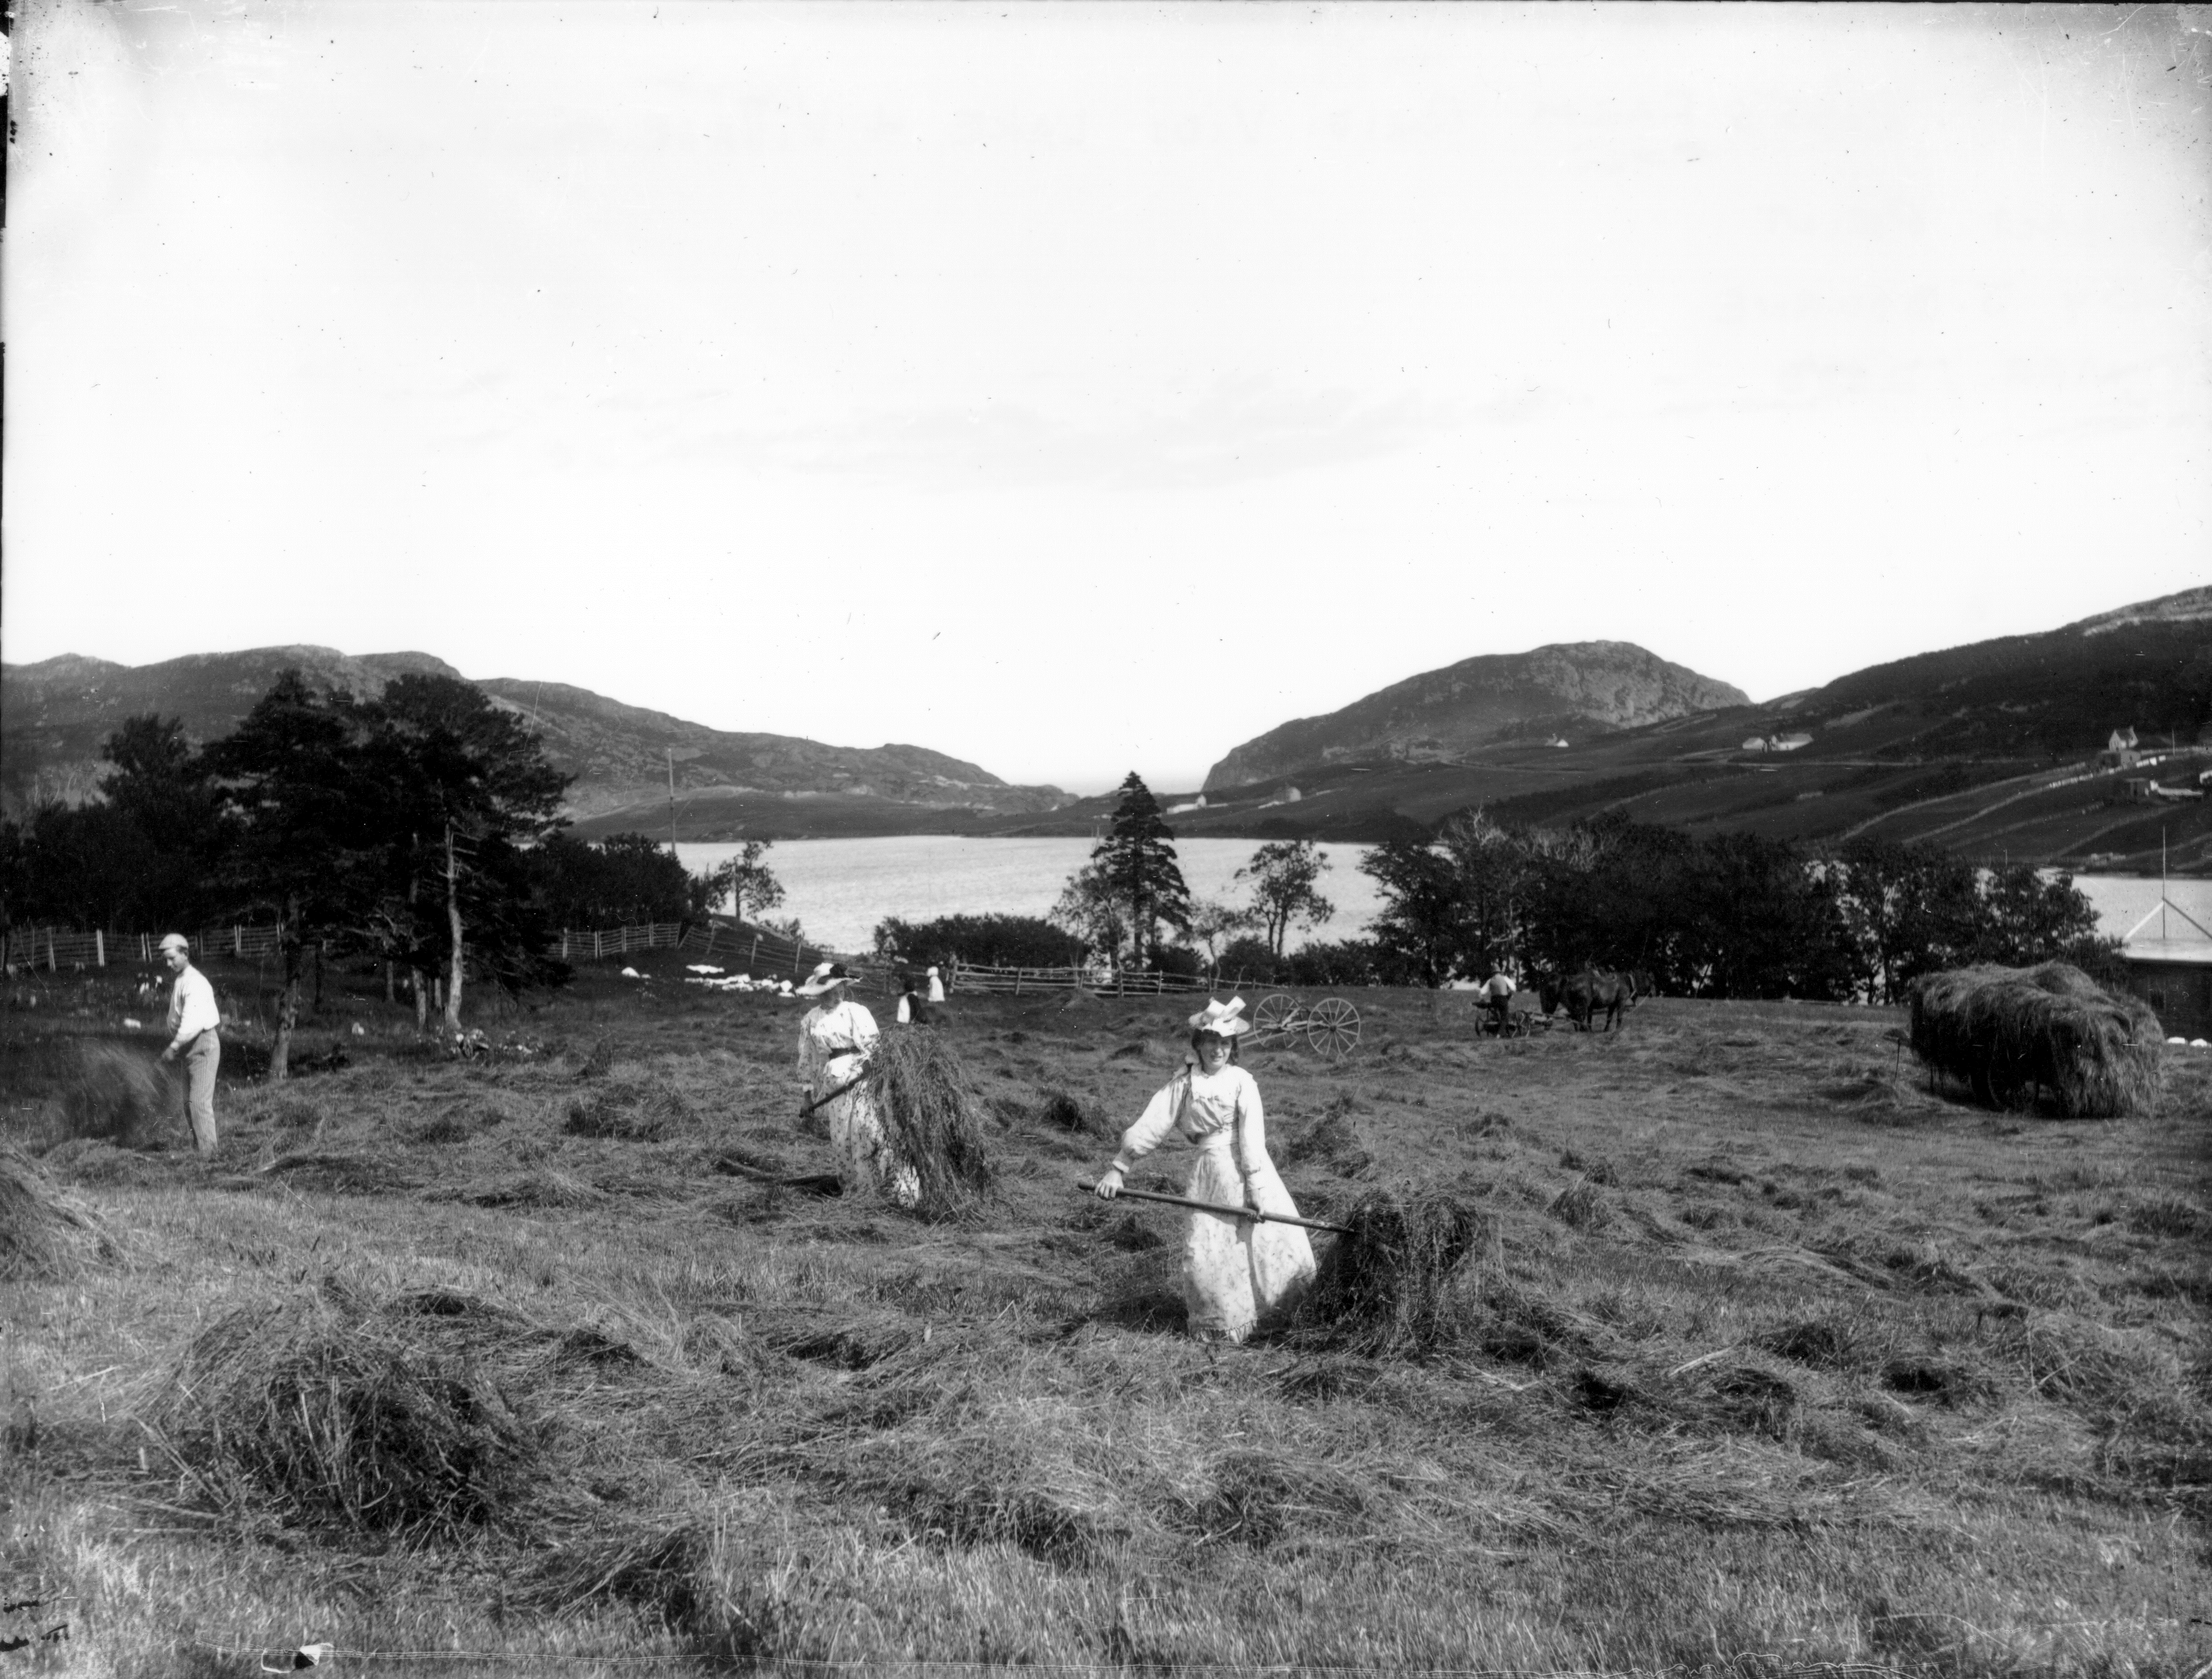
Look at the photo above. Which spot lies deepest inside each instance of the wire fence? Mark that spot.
(54, 948)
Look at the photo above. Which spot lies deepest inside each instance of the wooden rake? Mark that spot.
(1215, 1207)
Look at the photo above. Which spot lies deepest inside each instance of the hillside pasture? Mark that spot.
(1768, 1356)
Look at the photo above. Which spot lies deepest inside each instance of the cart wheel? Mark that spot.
(1333, 1028)
(1273, 1014)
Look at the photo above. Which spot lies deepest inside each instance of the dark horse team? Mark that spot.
(1585, 994)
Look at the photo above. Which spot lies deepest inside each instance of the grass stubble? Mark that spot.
(1722, 1344)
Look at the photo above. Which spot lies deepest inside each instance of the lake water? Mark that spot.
(841, 888)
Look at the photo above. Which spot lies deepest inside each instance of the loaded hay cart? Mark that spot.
(1330, 1027)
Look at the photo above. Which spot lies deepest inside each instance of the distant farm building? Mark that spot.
(2119, 751)
(2169, 959)
(2147, 790)
(1777, 743)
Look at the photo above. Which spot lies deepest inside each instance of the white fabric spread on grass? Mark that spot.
(833, 1047)
(1235, 1271)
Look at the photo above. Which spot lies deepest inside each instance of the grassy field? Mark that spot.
(1772, 1358)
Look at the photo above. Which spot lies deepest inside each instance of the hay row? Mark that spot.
(46, 1234)
(1383, 1287)
(2010, 1034)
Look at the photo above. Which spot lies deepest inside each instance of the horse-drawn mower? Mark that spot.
(1330, 1027)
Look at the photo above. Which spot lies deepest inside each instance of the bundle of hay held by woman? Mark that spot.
(2013, 1032)
(903, 1114)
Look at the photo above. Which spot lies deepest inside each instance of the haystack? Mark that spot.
(118, 1092)
(46, 1234)
(2012, 1033)
(321, 1411)
(1383, 1287)
(932, 1117)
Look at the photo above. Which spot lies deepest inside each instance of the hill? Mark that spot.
(1571, 688)
(1992, 748)
(55, 715)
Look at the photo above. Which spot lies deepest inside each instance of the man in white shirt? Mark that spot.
(193, 1018)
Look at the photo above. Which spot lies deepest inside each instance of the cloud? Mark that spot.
(1234, 433)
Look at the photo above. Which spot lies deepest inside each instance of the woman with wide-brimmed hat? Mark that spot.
(1237, 1272)
(835, 1038)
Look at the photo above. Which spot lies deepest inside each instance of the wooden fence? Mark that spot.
(976, 977)
(58, 947)
(761, 955)
(758, 953)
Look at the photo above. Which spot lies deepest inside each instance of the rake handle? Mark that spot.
(1215, 1207)
(824, 1101)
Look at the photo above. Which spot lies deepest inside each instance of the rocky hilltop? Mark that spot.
(1569, 688)
(55, 715)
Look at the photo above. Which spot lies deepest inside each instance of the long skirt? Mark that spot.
(1239, 1273)
(869, 1161)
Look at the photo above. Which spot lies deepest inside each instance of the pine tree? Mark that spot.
(460, 785)
(309, 846)
(1134, 867)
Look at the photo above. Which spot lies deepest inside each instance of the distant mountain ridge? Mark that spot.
(1571, 687)
(55, 715)
(1994, 750)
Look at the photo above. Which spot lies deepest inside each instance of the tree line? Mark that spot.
(419, 827)
(1727, 914)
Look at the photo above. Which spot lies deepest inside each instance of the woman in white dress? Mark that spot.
(834, 1038)
(1236, 1271)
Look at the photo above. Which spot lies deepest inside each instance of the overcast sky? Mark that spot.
(1080, 388)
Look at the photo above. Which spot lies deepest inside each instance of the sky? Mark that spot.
(1081, 389)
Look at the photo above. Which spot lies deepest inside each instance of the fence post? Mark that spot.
(99, 946)
(753, 961)
(52, 966)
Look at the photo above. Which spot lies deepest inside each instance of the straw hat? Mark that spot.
(827, 976)
(175, 941)
(1222, 1019)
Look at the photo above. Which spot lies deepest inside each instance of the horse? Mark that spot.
(1593, 989)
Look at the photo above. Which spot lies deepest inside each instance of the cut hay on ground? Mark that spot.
(2013, 1032)
(1383, 1287)
(934, 1118)
(45, 1233)
(118, 1092)
(322, 1411)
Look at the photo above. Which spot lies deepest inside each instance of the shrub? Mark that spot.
(1348, 962)
(998, 941)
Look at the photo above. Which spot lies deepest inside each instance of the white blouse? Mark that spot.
(829, 1040)
(1217, 1111)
